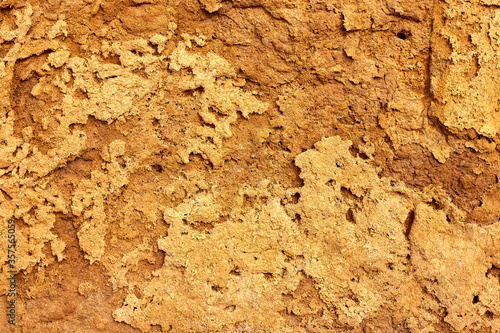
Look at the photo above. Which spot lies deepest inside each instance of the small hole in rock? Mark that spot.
(403, 35)
(350, 216)
(216, 288)
(295, 198)
(230, 308)
(157, 168)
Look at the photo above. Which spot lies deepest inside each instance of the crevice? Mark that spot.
(5, 194)
(347, 193)
(408, 224)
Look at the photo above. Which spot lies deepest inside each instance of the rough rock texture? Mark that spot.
(251, 165)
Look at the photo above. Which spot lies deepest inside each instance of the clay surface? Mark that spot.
(250, 165)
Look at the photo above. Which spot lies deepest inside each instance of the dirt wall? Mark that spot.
(250, 165)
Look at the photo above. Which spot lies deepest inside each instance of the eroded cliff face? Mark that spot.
(251, 166)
